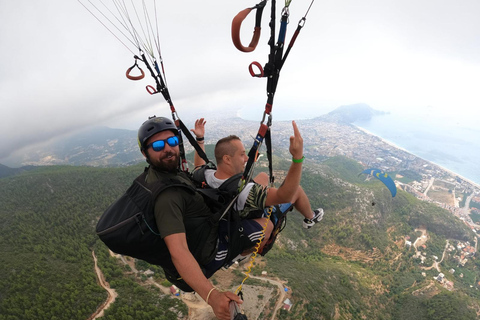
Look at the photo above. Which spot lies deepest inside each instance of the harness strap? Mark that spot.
(275, 59)
(268, 144)
(300, 25)
(192, 141)
(253, 153)
(161, 86)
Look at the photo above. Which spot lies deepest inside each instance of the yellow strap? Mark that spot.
(254, 254)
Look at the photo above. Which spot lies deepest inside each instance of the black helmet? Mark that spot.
(153, 126)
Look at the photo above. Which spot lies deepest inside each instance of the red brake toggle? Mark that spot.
(236, 25)
(252, 72)
(151, 89)
(139, 77)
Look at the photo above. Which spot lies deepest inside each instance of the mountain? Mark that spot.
(102, 146)
(107, 147)
(99, 146)
(352, 113)
(7, 171)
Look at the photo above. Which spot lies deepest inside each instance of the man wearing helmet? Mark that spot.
(158, 141)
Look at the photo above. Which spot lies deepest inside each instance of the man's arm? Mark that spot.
(190, 271)
(290, 185)
(199, 133)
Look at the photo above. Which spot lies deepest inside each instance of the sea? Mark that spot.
(448, 142)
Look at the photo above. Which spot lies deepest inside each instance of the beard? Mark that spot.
(168, 162)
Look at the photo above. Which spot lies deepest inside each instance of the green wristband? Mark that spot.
(298, 160)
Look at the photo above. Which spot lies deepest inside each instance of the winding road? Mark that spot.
(112, 294)
(466, 207)
(421, 240)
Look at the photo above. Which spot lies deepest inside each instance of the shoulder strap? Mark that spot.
(157, 187)
(193, 141)
(198, 175)
(231, 184)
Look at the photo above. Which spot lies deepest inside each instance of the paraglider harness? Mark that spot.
(217, 198)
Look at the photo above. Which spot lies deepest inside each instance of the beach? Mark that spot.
(450, 172)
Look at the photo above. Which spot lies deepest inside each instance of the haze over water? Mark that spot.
(452, 144)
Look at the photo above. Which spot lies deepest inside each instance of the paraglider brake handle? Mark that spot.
(151, 89)
(260, 73)
(139, 77)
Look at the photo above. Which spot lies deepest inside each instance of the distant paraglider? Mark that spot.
(384, 177)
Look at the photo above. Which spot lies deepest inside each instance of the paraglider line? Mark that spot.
(106, 27)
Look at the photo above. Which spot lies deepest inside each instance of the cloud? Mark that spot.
(61, 70)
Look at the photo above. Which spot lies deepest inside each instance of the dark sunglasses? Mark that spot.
(159, 145)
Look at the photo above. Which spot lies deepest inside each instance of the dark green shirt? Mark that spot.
(176, 204)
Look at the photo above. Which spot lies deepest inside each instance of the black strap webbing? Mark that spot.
(193, 141)
(268, 144)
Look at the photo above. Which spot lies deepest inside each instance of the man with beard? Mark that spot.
(158, 142)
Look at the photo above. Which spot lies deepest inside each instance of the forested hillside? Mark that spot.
(47, 221)
(356, 264)
(353, 265)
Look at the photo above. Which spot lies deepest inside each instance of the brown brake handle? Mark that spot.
(151, 89)
(237, 24)
(139, 77)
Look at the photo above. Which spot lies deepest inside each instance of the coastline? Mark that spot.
(476, 185)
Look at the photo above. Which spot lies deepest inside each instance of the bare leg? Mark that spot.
(300, 199)
(262, 178)
(302, 204)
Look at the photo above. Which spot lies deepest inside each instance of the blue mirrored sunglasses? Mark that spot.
(159, 145)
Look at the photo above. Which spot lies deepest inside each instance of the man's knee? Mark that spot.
(262, 179)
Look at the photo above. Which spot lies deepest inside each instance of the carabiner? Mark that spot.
(301, 23)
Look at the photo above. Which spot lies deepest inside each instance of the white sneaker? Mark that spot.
(317, 217)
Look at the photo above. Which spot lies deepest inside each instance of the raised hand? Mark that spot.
(199, 130)
(296, 143)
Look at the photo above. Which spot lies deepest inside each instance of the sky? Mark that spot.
(61, 70)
